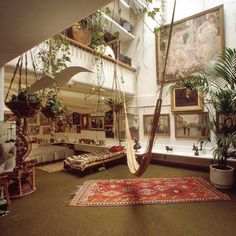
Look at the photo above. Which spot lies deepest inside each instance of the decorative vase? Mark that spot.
(24, 108)
(222, 179)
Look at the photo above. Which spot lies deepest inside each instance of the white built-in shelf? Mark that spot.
(113, 27)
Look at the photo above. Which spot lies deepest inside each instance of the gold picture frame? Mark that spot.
(96, 123)
(185, 99)
(163, 128)
(192, 125)
(196, 41)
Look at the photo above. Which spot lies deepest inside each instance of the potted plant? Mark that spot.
(54, 107)
(24, 104)
(116, 104)
(217, 83)
(52, 58)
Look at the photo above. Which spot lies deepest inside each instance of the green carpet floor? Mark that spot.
(45, 213)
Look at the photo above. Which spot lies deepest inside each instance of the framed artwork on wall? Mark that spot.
(84, 121)
(185, 99)
(47, 130)
(96, 122)
(109, 133)
(226, 123)
(34, 129)
(196, 41)
(163, 128)
(192, 125)
(108, 118)
(76, 118)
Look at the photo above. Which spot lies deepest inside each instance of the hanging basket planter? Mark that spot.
(116, 107)
(24, 108)
(47, 112)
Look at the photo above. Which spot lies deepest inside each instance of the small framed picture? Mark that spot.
(185, 99)
(192, 125)
(84, 121)
(226, 123)
(109, 133)
(34, 129)
(97, 122)
(47, 130)
(76, 118)
(163, 128)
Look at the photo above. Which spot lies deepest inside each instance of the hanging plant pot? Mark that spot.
(47, 111)
(24, 108)
(116, 107)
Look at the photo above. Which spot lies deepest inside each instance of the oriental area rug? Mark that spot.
(120, 192)
(52, 167)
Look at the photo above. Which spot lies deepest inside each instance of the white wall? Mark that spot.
(145, 58)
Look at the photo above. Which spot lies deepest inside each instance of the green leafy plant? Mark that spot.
(95, 24)
(54, 107)
(217, 83)
(24, 95)
(54, 54)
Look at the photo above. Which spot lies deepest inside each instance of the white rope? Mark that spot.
(131, 158)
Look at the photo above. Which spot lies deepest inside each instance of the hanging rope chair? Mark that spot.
(139, 167)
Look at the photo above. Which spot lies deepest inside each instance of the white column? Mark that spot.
(1, 93)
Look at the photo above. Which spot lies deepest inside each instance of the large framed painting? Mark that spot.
(195, 41)
(185, 99)
(192, 125)
(163, 128)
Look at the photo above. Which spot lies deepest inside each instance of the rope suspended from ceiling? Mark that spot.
(138, 168)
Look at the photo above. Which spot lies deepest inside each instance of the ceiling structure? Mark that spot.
(26, 23)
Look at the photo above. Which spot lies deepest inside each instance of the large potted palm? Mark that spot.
(217, 83)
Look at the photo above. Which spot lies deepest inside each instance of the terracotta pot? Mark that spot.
(82, 35)
(24, 108)
(222, 179)
(116, 107)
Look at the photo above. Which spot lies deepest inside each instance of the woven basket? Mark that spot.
(24, 108)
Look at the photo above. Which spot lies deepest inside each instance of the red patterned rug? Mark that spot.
(120, 192)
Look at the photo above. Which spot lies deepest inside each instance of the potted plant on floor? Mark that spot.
(217, 83)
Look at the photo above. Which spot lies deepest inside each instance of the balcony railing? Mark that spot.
(87, 57)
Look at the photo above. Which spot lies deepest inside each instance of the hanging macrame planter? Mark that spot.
(116, 107)
(23, 109)
(23, 105)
